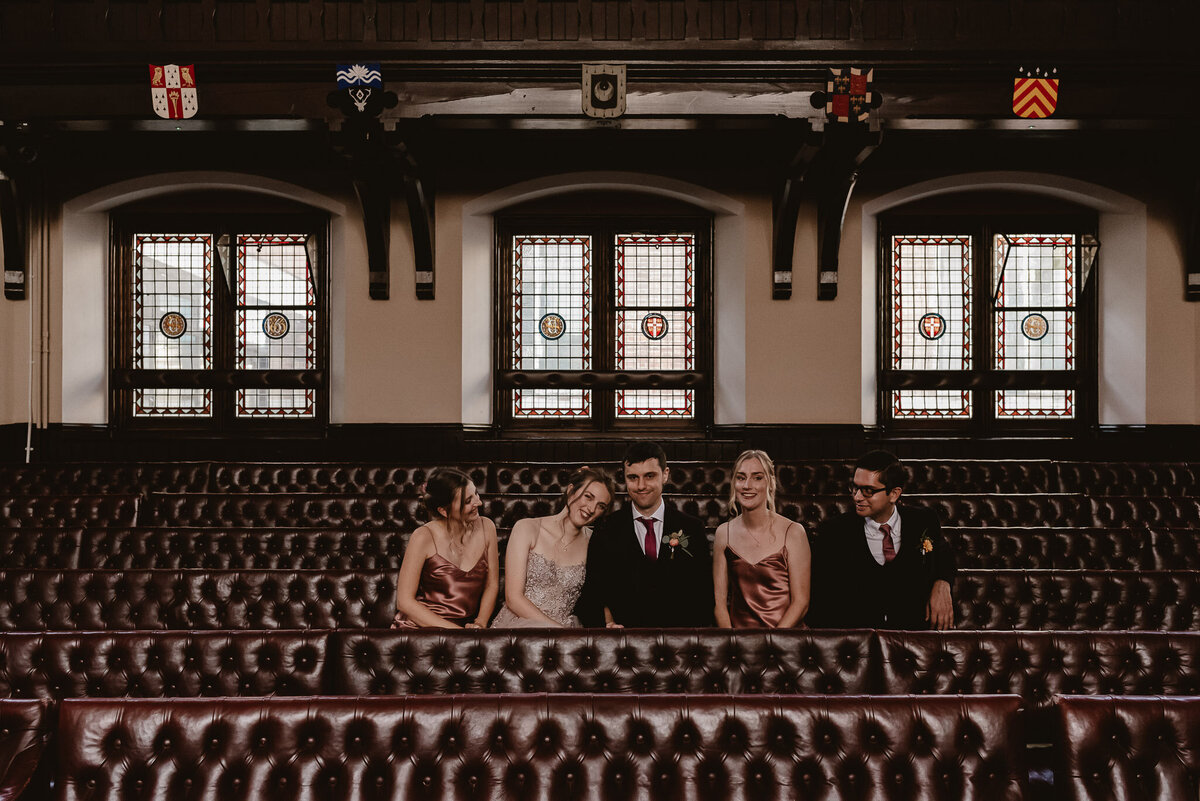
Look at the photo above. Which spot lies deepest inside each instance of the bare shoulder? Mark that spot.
(421, 541)
(488, 527)
(791, 528)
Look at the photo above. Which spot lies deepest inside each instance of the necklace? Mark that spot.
(563, 542)
(759, 541)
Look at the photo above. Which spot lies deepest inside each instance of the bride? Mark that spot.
(544, 563)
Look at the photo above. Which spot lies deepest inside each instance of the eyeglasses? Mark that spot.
(867, 492)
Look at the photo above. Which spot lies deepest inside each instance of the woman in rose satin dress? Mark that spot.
(450, 575)
(545, 562)
(761, 561)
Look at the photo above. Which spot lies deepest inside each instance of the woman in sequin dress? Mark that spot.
(761, 561)
(545, 561)
(450, 575)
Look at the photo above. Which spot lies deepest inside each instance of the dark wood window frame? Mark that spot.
(983, 379)
(222, 378)
(603, 378)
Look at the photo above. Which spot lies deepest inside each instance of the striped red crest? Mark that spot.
(1034, 98)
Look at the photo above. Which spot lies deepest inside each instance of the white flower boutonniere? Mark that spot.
(677, 540)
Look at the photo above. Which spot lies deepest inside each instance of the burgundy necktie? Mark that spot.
(651, 540)
(889, 547)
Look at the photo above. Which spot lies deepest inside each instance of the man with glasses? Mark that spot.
(882, 566)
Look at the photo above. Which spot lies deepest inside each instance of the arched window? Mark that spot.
(988, 316)
(605, 318)
(219, 317)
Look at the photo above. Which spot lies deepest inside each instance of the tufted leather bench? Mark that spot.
(1177, 479)
(68, 511)
(98, 478)
(542, 747)
(24, 730)
(32, 548)
(1081, 600)
(98, 600)
(51, 666)
(1144, 512)
(1057, 549)
(1039, 666)
(280, 511)
(602, 661)
(331, 478)
(370, 549)
(1129, 748)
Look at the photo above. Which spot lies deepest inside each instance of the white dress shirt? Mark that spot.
(639, 527)
(875, 536)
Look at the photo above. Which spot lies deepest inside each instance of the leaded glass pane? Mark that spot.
(172, 319)
(1035, 403)
(276, 321)
(654, 319)
(931, 319)
(931, 403)
(552, 320)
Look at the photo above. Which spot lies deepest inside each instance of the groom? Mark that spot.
(648, 564)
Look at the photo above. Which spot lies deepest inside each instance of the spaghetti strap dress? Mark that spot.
(759, 593)
(551, 587)
(449, 591)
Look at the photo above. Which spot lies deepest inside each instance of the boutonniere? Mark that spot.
(677, 540)
(926, 544)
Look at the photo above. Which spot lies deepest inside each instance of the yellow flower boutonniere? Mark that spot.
(677, 540)
(926, 544)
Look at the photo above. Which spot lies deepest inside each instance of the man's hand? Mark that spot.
(939, 612)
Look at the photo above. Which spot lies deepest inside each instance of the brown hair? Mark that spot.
(441, 487)
(772, 482)
(581, 479)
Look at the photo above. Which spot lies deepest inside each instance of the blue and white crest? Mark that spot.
(349, 75)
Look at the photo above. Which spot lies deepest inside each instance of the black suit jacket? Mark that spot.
(851, 590)
(672, 590)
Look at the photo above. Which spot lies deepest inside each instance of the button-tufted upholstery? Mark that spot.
(68, 511)
(32, 548)
(330, 478)
(602, 661)
(1058, 549)
(24, 729)
(281, 511)
(1082, 600)
(1129, 748)
(94, 600)
(53, 666)
(1039, 666)
(1178, 479)
(1137, 512)
(542, 747)
(122, 478)
(245, 548)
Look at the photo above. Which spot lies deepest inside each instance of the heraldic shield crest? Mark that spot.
(848, 95)
(604, 90)
(1035, 93)
(173, 91)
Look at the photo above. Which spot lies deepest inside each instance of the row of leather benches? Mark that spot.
(82, 600)
(798, 479)
(225, 548)
(406, 514)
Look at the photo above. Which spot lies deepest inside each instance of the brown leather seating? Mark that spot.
(98, 600)
(24, 730)
(329, 478)
(98, 478)
(68, 511)
(1039, 666)
(602, 661)
(57, 547)
(1058, 549)
(1081, 600)
(264, 510)
(551, 746)
(1177, 479)
(1129, 748)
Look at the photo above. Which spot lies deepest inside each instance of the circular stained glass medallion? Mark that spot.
(654, 326)
(1035, 326)
(172, 324)
(932, 326)
(276, 325)
(552, 325)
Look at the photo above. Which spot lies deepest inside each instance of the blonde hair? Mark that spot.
(768, 467)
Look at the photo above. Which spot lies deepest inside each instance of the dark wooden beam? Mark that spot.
(845, 149)
(1192, 255)
(787, 210)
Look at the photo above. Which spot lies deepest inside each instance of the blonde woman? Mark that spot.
(761, 561)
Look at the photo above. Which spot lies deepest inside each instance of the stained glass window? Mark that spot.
(655, 317)
(276, 321)
(982, 323)
(552, 320)
(1034, 316)
(172, 319)
(931, 319)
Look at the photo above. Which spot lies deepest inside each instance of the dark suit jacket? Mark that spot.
(851, 590)
(672, 590)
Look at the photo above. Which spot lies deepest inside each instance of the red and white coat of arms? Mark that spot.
(173, 91)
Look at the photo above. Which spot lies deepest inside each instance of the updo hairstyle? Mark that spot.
(441, 487)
